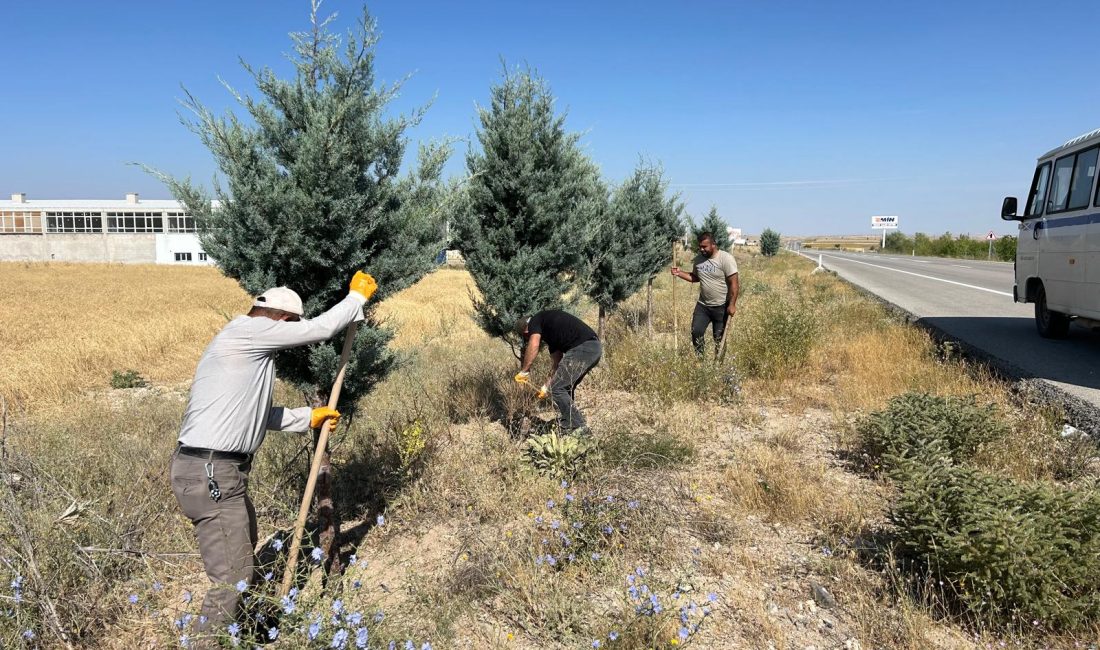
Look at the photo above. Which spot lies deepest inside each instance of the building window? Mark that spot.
(12, 222)
(135, 222)
(180, 222)
(202, 257)
(183, 257)
(74, 222)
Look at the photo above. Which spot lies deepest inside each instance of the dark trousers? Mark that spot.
(574, 365)
(701, 318)
(226, 532)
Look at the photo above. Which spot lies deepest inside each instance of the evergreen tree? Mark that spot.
(715, 226)
(769, 242)
(633, 242)
(533, 204)
(313, 194)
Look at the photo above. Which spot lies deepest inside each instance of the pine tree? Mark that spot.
(313, 194)
(715, 226)
(769, 242)
(533, 203)
(632, 244)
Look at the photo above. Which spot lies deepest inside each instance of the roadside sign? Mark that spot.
(991, 236)
(880, 223)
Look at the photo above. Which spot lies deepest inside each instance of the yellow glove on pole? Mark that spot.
(318, 416)
(544, 392)
(523, 378)
(315, 467)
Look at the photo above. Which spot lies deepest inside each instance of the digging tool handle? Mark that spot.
(315, 468)
(675, 316)
(722, 345)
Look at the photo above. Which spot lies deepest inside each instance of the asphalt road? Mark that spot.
(971, 301)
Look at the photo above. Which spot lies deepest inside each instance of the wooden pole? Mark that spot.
(722, 345)
(649, 308)
(315, 468)
(675, 315)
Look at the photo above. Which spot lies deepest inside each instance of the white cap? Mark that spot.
(280, 298)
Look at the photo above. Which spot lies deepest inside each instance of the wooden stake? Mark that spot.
(315, 468)
(675, 307)
(722, 344)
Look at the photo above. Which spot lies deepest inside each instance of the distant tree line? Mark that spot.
(948, 245)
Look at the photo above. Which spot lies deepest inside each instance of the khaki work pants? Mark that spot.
(226, 531)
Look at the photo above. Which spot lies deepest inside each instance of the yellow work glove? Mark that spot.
(523, 377)
(544, 392)
(318, 416)
(363, 284)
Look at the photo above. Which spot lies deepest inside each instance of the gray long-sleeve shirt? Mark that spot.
(230, 404)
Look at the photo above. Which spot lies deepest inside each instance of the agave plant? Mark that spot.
(556, 455)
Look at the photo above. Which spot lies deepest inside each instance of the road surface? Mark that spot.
(971, 301)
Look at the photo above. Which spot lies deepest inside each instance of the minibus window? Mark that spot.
(1059, 189)
(1084, 172)
(1038, 195)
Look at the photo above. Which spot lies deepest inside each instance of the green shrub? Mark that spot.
(773, 338)
(919, 418)
(127, 379)
(1007, 551)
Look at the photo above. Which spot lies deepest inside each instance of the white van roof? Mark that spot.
(1079, 140)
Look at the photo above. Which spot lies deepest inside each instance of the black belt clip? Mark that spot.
(211, 484)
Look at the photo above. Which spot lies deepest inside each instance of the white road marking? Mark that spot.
(927, 277)
(962, 266)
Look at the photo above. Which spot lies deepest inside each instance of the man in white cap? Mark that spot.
(227, 416)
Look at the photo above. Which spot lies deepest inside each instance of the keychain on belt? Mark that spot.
(211, 484)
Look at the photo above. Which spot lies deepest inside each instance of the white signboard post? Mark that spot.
(991, 237)
(884, 224)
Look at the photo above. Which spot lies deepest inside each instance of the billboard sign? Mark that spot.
(880, 223)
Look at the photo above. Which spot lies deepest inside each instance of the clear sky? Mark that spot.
(808, 117)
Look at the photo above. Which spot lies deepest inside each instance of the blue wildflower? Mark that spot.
(314, 630)
(538, 560)
(596, 643)
(684, 633)
(277, 544)
(157, 586)
(28, 635)
(133, 599)
(355, 619)
(632, 504)
(337, 606)
(564, 484)
(550, 504)
(578, 525)
(538, 520)
(712, 597)
(569, 498)
(293, 593)
(550, 560)
(317, 555)
(379, 616)
(608, 529)
(273, 633)
(640, 572)
(288, 605)
(381, 520)
(241, 586)
(572, 557)
(340, 638)
(361, 636)
(186, 597)
(595, 557)
(409, 645)
(185, 641)
(234, 629)
(614, 636)
(426, 646)
(357, 584)
(352, 560)
(609, 499)
(555, 524)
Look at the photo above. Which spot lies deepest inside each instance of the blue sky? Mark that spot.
(808, 117)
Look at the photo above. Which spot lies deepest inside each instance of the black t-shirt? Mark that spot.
(561, 330)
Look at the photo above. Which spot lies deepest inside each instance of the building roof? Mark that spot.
(90, 204)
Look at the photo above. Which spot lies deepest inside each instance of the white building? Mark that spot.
(130, 230)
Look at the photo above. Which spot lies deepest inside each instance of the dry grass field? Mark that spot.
(722, 489)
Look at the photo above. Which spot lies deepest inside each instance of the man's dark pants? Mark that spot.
(574, 365)
(701, 318)
(226, 531)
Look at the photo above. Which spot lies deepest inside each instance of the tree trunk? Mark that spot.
(603, 321)
(649, 308)
(328, 525)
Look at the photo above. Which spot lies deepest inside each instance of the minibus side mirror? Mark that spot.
(1008, 209)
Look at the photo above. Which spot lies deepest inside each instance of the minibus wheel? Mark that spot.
(1051, 324)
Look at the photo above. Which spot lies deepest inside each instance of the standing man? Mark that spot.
(227, 416)
(716, 272)
(574, 350)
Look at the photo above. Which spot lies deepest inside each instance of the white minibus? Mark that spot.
(1058, 248)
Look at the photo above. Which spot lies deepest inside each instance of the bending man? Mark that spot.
(227, 416)
(574, 350)
(716, 272)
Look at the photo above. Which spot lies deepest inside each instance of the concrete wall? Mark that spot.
(138, 248)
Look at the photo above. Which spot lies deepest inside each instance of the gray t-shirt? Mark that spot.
(230, 404)
(712, 273)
